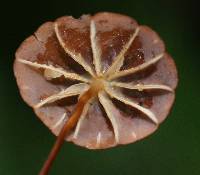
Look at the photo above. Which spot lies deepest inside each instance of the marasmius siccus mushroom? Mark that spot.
(98, 81)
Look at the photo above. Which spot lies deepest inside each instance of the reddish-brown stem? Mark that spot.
(66, 128)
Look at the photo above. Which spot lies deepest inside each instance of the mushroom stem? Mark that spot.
(68, 126)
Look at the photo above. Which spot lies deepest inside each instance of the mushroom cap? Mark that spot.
(66, 44)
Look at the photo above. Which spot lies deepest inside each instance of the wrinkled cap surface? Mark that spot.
(57, 64)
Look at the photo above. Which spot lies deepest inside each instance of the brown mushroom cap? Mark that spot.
(60, 43)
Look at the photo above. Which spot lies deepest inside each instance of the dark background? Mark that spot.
(174, 149)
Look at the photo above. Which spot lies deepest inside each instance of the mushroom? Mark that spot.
(98, 81)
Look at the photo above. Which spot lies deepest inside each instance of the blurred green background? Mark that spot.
(174, 149)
